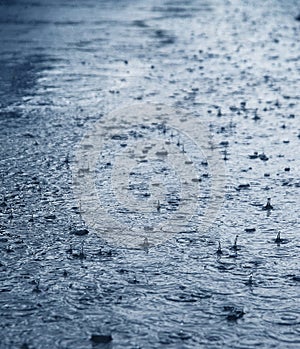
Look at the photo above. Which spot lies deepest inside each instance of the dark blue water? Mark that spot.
(231, 66)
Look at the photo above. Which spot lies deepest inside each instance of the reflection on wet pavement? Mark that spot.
(234, 66)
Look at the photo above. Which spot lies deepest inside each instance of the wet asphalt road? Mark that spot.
(233, 64)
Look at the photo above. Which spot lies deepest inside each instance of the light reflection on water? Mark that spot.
(62, 68)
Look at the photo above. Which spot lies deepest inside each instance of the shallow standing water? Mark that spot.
(234, 65)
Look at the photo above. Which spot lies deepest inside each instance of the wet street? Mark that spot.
(140, 142)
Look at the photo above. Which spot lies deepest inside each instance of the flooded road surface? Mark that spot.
(75, 274)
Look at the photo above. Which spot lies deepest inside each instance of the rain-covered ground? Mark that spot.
(234, 66)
